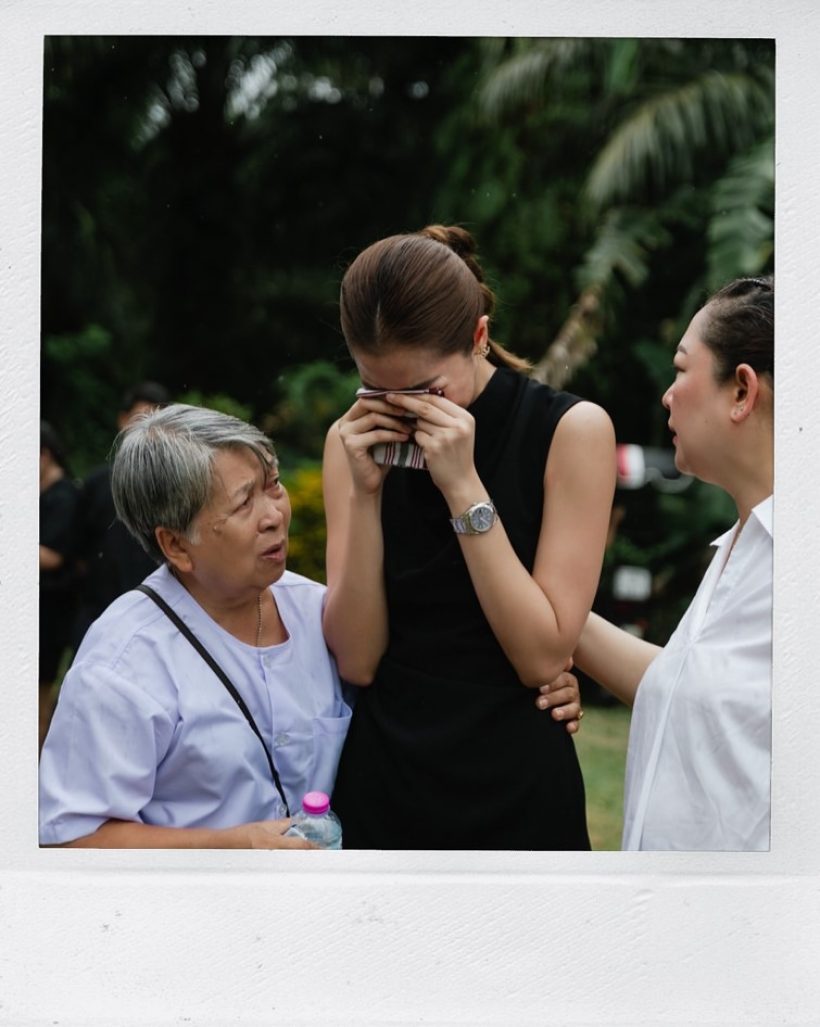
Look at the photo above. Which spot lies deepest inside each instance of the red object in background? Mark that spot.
(645, 465)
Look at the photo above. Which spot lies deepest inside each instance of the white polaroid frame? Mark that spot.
(208, 938)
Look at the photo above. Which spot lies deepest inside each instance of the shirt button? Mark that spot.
(281, 739)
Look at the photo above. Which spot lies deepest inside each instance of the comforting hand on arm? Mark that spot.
(613, 657)
(562, 697)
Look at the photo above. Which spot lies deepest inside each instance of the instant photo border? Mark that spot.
(215, 938)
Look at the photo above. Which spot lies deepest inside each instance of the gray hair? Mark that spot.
(163, 471)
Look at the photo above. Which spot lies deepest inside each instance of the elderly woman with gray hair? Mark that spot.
(201, 708)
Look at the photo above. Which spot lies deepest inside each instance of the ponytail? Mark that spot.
(464, 245)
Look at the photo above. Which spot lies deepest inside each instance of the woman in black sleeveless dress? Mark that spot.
(456, 589)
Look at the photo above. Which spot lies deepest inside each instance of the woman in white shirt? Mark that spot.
(698, 764)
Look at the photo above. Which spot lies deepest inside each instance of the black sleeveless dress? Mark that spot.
(446, 748)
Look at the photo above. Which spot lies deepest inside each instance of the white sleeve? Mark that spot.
(101, 754)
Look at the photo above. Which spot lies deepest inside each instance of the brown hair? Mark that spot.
(423, 289)
(740, 327)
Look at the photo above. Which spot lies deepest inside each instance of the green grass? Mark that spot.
(601, 745)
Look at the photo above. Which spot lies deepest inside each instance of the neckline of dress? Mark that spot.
(492, 389)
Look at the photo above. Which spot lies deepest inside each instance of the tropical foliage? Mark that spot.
(202, 196)
(682, 145)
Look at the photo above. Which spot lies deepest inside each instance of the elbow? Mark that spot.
(360, 677)
(355, 669)
(542, 672)
(355, 666)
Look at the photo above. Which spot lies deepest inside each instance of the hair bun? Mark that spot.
(459, 241)
(454, 237)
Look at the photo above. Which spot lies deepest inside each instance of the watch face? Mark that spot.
(482, 518)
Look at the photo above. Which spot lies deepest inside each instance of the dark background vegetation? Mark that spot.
(202, 197)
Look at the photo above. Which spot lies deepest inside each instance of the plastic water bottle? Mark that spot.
(317, 823)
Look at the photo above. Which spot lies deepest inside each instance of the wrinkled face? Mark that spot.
(698, 406)
(460, 375)
(240, 539)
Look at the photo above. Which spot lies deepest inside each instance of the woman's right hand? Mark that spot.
(366, 423)
(270, 834)
(126, 834)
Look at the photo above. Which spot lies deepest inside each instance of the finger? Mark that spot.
(359, 442)
(286, 841)
(371, 419)
(573, 727)
(294, 842)
(564, 681)
(555, 700)
(380, 404)
(367, 440)
(569, 711)
(562, 696)
(545, 696)
(437, 410)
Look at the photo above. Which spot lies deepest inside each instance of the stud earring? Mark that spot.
(484, 351)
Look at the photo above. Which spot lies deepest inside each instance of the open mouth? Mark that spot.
(276, 552)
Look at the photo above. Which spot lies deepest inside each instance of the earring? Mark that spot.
(484, 351)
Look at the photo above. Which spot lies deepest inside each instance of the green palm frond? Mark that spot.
(522, 78)
(660, 142)
(741, 227)
(624, 245)
(622, 67)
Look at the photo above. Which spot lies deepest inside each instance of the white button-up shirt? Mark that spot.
(699, 759)
(145, 731)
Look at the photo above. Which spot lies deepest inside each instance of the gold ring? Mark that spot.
(581, 715)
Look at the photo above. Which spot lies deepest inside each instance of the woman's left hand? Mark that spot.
(563, 697)
(446, 434)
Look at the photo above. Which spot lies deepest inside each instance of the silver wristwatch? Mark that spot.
(477, 519)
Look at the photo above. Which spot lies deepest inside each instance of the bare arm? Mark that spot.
(355, 615)
(124, 834)
(537, 618)
(613, 657)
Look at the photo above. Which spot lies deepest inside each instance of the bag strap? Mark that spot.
(223, 677)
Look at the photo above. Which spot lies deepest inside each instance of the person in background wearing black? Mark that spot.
(111, 561)
(58, 536)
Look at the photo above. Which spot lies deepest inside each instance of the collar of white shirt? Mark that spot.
(762, 513)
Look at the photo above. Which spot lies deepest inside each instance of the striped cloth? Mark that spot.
(399, 454)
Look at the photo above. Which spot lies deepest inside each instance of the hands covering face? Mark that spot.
(443, 431)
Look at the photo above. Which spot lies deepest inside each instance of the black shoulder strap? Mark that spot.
(223, 677)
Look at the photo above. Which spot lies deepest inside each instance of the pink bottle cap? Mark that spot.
(316, 802)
